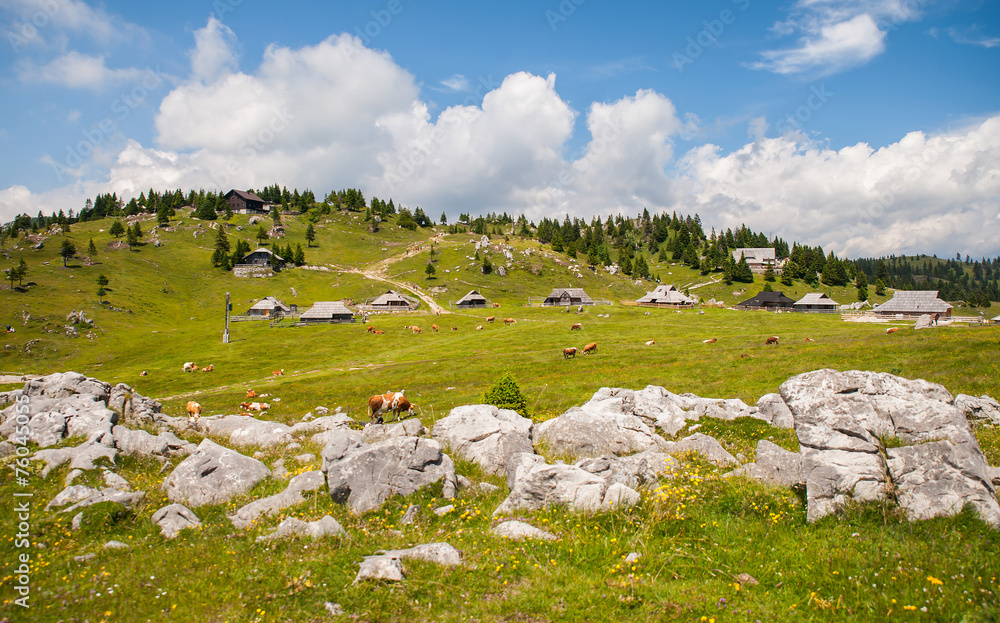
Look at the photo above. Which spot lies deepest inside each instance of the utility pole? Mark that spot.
(225, 336)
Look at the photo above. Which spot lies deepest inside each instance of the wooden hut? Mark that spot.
(913, 304)
(666, 296)
(242, 202)
(327, 311)
(260, 257)
(472, 300)
(567, 296)
(267, 307)
(768, 301)
(391, 301)
(816, 302)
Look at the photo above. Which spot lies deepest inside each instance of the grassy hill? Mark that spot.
(165, 307)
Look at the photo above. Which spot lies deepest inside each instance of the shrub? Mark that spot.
(505, 394)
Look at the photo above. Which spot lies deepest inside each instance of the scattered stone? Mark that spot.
(375, 433)
(410, 515)
(174, 518)
(747, 580)
(305, 458)
(337, 435)
(115, 545)
(333, 609)
(976, 409)
(632, 471)
(78, 457)
(518, 530)
(141, 443)
(72, 475)
(246, 431)
(444, 510)
(632, 557)
(115, 481)
(772, 408)
(213, 475)
(590, 431)
(77, 521)
(487, 487)
(925, 321)
(327, 526)
(324, 423)
(84, 557)
(485, 435)
(380, 568)
(538, 485)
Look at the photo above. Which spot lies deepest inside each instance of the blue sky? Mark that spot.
(867, 127)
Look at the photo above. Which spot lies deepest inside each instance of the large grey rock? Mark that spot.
(65, 384)
(541, 485)
(244, 431)
(634, 471)
(325, 423)
(71, 495)
(128, 499)
(982, 408)
(484, 435)
(135, 409)
(141, 443)
(380, 568)
(618, 495)
(519, 530)
(173, 518)
(925, 321)
(213, 475)
(292, 495)
(365, 476)
(294, 527)
(586, 432)
(705, 445)
(774, 465)
(847, 422)
(410, 427)
(337, 435)
(773, 409)
(78, 457)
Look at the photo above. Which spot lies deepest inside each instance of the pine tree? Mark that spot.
(769, 273)
(67, 250)
(130, 238)
(861, 283)
(310, 234)
(505, 394)
(117, 229)
(92, 250)
(299, 256)
(742, 272)
(430, 270)
(487, 266)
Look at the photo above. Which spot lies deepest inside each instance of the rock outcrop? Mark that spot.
(212, 475)
(363, 476)
(292, 495)
(873, 436)
(484, 435)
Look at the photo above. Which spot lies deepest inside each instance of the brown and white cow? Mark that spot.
(435, 328)
(280, 372)
(709, 341)
(496, 304)
(208, 368)
(370, 329)
(650, 342)
(194, 412)
(255, 406)
(490, 319)
(891, 330)
(416, 329)
(507, 321)
(590, 348)
(576, 327)
(390, 402)
(569, 352)
(771, 340)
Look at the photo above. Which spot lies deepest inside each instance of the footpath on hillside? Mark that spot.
(379, 271)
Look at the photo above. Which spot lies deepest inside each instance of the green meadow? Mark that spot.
(694, 536)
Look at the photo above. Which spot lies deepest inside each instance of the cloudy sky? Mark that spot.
(869, 127)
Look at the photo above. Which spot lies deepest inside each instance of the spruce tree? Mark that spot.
(310, 234)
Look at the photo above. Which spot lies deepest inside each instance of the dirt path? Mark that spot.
(379, 271)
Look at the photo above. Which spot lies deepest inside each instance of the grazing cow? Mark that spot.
(576, 327)
(378, 332)
(891, 330)
(569, 352)
(490, 319)
(507, 321)
(189, 366)
(771, 340)
(416, 329)
(435, 328)
(650, 342)
(195, 368)
(251, 393)
(208, 368)
(479, 328)
(709, 341)
(454, 328)
(370, 329)
(590, 348)
(809, 339)
(280, 372)
(193, 411)
(255, 406)
(496, 304)
(389, 402)
(144, 373)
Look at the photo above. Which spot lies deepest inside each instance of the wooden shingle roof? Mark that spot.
(326, 309)
(914, 301)
(817, 298)
(666, 294)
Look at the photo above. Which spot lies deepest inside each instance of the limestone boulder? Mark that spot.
(925, 321)
(774, 411)
(337, 435)
(66, 384)
(539, 485)
(213, 474)
(337, 421)
(873, 436)
(141, 443)
(244, 431)
(979, 409)
(519, 530)
(634, 471)
(590, 431)
(294, 527)
(292, 495)
(410, 427)
(364, 476)
(174, 518)
(79, 457)
(485, 435)
(774, 465)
